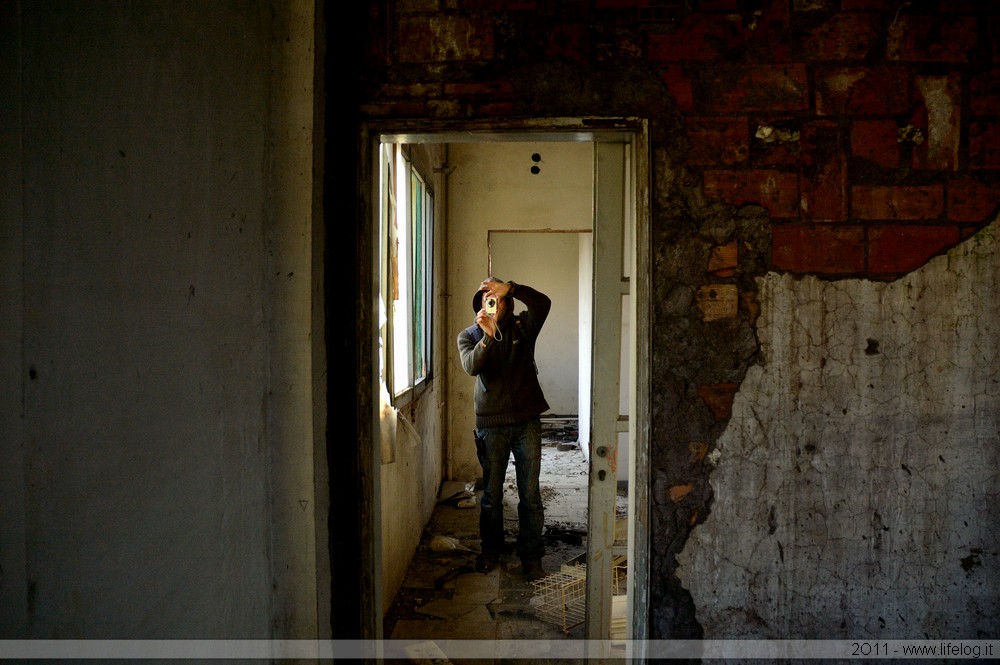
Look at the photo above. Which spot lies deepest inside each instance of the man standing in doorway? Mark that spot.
(499, 350)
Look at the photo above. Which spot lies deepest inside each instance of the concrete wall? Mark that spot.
(861, 462)
(410, 485)
(492, 188)
(158, 302)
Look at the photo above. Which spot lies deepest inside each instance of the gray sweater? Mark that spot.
(507, 390)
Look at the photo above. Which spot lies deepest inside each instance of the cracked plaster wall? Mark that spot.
(856, 485)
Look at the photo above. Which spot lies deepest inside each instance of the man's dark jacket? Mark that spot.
(507, 390)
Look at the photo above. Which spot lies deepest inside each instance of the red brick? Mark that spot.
(568, 41)
(719, 5)
(993, 30)
(493, 89)
(876, 140)
(966, 232)
(780, 148)
(984, 93)
(896, 250)
(767, 88)
(377, 47)
(697, 37)
(444, 39)
(497, 5)
(823, 177)
(984, 145)
(897, 202)
(820, 250)
(931, 38)
(622, 46)
(417, 90)
(843, 36)
(824, 195)
(719, 398)
(724, 259)
(768, 36)
(862, 91)
(778, 14)
(498, 109)
(960, 6)
(972, 201)
(717, 141)
(417, 6)
(775, 190)
(393, 109)
(679, 85)
(847, 5)
(678, 492)
(940, 97)
(622, 4)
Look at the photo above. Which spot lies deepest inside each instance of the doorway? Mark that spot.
(621, 225)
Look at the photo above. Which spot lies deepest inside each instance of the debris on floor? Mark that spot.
(441, 543)
(455, 492)
(443, 596)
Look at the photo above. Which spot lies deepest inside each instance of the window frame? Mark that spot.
(406, 254)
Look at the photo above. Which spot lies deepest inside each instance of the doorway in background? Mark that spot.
(632, 289)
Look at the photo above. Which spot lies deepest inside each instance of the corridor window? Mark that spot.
(406, 232)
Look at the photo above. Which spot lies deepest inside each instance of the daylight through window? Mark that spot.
(405, 248)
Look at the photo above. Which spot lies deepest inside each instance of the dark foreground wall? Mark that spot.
(847, 141)
(157, 467)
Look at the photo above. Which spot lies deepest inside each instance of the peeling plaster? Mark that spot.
(857, 484)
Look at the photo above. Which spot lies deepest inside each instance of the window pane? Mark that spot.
(406, 248)
(417, 198)
(401, 308)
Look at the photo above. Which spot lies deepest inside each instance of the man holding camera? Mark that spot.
(499, 350)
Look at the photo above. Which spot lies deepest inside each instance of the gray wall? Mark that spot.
(856, 484)
(157, 421)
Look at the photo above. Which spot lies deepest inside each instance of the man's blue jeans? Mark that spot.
(494, 446)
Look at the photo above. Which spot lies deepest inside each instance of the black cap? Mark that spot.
(477, 301)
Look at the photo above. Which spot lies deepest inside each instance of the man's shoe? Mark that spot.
(486, 561)
(532, 570)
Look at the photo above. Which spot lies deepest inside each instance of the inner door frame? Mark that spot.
(633, 131)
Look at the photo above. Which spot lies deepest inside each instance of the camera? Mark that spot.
(491, 304)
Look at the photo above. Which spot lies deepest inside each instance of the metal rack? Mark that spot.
(563, 597)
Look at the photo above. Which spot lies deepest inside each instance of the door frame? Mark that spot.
(632, 131)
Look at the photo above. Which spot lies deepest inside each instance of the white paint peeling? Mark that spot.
(857, 484)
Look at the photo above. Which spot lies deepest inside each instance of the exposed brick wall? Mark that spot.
(911, 97)
(850, 138)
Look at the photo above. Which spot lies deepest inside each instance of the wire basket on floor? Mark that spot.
(563, 597)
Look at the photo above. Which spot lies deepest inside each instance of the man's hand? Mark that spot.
(486, 322)
(494, 287)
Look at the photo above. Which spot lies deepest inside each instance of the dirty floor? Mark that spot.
(444, 598)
